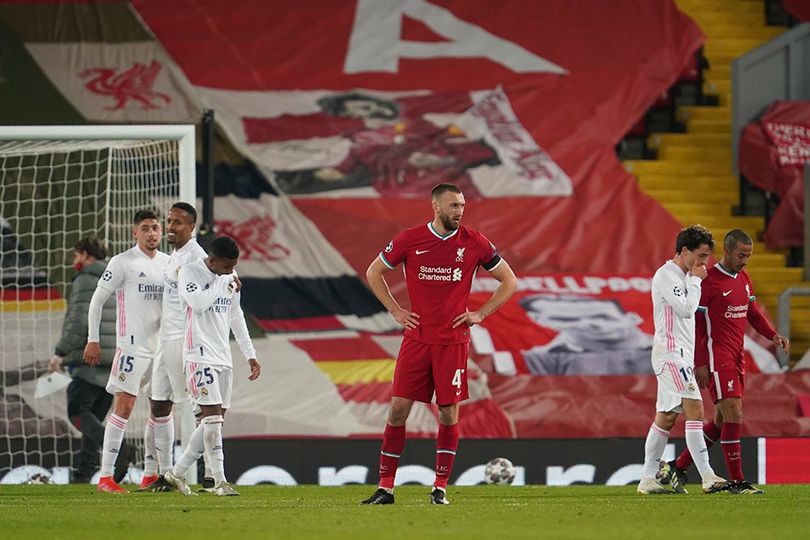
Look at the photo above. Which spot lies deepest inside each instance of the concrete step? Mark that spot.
(736, 31)
(708, 125)
(707, 18)
(689, 183)
(774, 289)
(737, 46)
(689, 140)
(720, 225)
(692, 112)
(666, 196)
(771, 301)
(711, 154)
(661, 167)
(716, 86)
(775, 275)
(696, 208)
(763, 259)
(720, 71)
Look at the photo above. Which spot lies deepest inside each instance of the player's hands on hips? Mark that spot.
(469, 318)
(255, 369)
(699, 269)
(406, 318)
(92, 351)
(702, 376)
(782, 341)
(55, 364)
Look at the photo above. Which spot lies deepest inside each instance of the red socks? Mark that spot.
(392, 446)
(730, 442)
(446, 446)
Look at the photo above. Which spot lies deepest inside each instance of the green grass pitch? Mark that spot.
(68, 512)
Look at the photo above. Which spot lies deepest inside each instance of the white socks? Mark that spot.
(150, 464)
(697, 447)
(212, 426)
(163, 442)
(113, 435)
(653, 450)
(191, 454)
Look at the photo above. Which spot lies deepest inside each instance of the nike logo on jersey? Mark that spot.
(419, 252)
(726, 293)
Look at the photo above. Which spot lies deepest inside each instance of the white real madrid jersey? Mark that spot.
(173, 318)
(212, 310)
(675, 296)
(137, 281)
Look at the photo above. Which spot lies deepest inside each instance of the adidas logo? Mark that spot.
(142, 274)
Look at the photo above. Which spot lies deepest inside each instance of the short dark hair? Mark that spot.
(92, 246)
(441, 189)
(335, 105)
(693, 237)
(187, 208)
(142, 215)
(735, 236)
(223, 247)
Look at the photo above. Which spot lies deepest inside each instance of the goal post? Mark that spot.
(59, 184)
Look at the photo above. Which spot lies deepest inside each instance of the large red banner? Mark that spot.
(494, 99)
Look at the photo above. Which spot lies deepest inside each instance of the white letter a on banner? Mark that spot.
(375, 43)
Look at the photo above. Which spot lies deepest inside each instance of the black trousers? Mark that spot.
(88, 405)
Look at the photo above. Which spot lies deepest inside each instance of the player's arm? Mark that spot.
(111, 280)
(701, 347)
(376, 281)
(683, 303)
(193, 294)
(240, 332)
(761, 324)
(506, 288)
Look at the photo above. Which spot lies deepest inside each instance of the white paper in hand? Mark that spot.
(50, 383)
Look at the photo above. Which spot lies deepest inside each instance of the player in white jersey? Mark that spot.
(168, 382)
(136, 277)
(209, 289)
(675, 295)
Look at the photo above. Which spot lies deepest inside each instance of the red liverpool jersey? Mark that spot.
(438, 272)
(727, 304)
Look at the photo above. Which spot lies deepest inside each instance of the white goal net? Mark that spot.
(59, 184)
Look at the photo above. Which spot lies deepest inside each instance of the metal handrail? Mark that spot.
(783, 317)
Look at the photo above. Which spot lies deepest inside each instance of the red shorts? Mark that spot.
(422, 369)
(728, 383)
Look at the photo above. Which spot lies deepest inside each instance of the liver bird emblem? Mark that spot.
(133, 84)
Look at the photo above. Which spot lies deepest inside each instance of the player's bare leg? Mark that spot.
(113, 437)
(392, 445)
(446, 446)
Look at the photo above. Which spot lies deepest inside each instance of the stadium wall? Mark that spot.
(552, 462)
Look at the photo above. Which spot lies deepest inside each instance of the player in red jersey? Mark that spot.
(440, 260)
(727, 303)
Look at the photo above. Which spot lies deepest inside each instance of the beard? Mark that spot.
(448, 222)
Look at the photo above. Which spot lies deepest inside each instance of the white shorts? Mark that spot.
(128, 372)
(168, 379)
(676, 381)
(209, 385)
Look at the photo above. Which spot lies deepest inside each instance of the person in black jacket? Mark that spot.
(88, 401)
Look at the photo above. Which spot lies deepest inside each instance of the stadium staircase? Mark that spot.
(692, 176)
